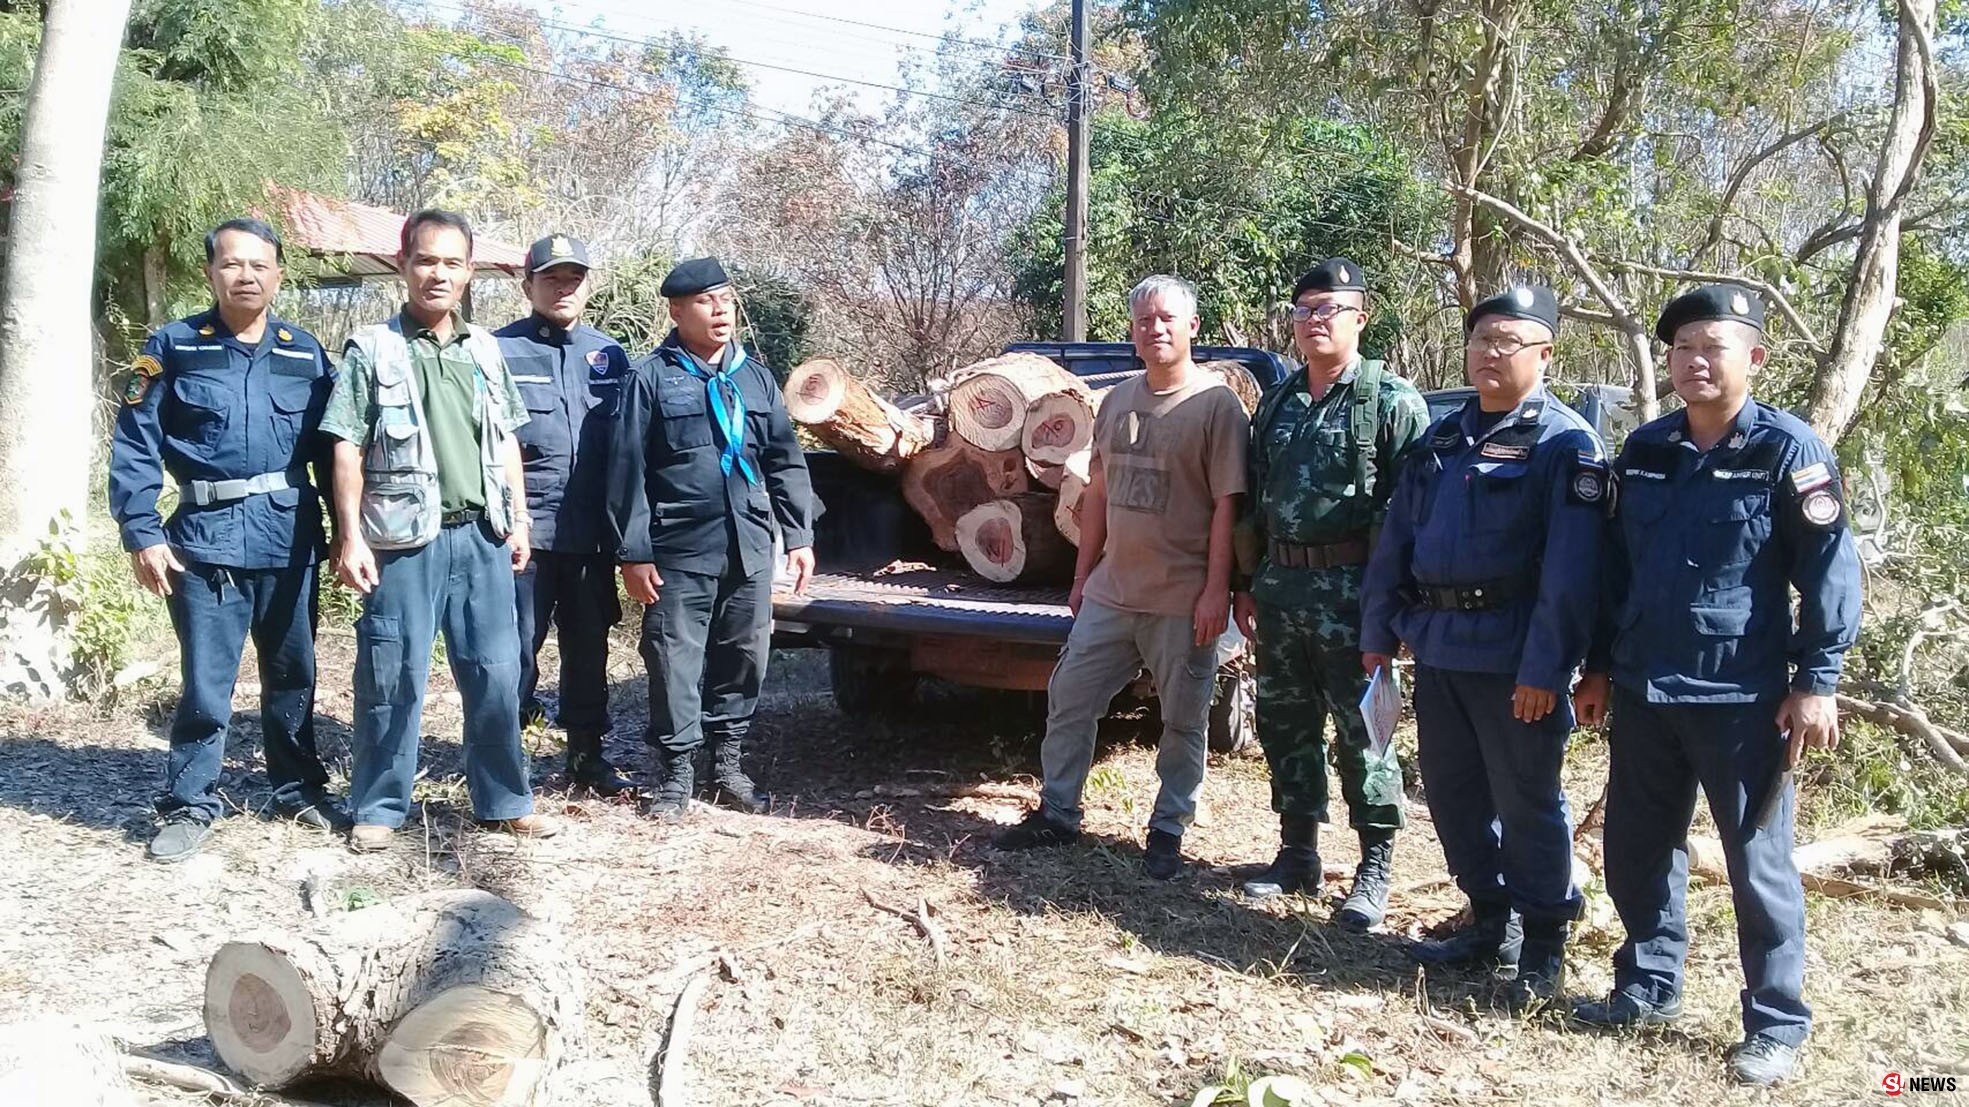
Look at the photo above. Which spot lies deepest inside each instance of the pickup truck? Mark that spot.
(891, 608)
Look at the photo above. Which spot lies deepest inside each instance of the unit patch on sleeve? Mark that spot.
(135, 388)
(146, 366)
(1821, 508)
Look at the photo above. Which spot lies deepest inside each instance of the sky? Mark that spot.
(855, 40)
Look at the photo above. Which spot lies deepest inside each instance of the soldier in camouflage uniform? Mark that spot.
(1326, 447)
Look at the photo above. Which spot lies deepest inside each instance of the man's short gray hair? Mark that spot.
(1175, 292)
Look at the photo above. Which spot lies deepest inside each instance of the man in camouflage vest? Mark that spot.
(1326, 447)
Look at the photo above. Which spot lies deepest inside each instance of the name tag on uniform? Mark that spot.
(1740, 474)
(213, 346)
(529, 378)
(1502, 452)
(1644, 474)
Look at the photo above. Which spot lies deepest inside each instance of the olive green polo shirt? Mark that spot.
(447, 384)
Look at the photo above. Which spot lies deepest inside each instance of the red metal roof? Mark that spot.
(365, 237)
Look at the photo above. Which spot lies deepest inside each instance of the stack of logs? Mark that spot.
(998, 472)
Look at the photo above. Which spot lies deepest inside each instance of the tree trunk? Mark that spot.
(156, 302)
(949, 479)
(1869, 301)
(857, 423)
(989, 400)
(46, 377)
(1015, 540)
(453, 998)
(1640, 350)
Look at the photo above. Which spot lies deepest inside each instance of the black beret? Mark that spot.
(692, 277)
(1331, 275)
(1712, 301)
(556, 249)
(1521, 301)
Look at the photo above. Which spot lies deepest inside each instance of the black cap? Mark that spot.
(1712, 301)
(692, 277)
(556, 249)
(1331, 275)
(1521, 301)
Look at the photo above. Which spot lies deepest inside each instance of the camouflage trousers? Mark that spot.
(1309, 670)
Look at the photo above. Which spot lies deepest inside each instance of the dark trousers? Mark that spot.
(1494, 791)
(704, 642)
(575, 594)
(213, 609)
(462, 584)
(1735, 751)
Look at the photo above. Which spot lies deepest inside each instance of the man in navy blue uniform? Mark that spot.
(570, 376)
(227, 404)
(1488, 569)
(704, 465)
(1726, 506)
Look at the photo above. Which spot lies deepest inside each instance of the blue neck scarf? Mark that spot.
(727, 407)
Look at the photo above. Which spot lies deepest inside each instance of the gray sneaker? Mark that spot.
(1762, 1060)
(179, 838)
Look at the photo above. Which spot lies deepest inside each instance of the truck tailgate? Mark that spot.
(930, 601)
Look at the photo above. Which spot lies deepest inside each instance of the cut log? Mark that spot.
(1066, 511)
(456, 998)
(852, 420)
(989, 400)
(1240, 379)
(1015, 540)
(1058, 425)
(949, 479)
(1052, 476)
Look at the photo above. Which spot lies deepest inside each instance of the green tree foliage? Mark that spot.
(1176, 194)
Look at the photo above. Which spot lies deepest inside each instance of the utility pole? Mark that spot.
(1074, 313)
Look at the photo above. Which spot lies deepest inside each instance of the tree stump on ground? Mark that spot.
(455, 998)
(1015, 540)
(854, 421)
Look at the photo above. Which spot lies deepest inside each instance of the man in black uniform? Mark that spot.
(703, 464)
(570, 377)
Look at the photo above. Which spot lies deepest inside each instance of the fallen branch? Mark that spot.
(191, 1078)
(1866, 843)
(1913, 722)
(671, 1079)
(919, 918)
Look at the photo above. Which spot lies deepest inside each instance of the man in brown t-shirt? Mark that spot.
(1152, 586)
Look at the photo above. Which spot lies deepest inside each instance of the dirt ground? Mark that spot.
(1065, 976)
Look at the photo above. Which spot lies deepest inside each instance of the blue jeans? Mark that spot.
(1494, 791)
(213, 608)
(1660, 752)
(462, 584)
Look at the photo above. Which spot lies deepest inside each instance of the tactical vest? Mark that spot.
(400, 504)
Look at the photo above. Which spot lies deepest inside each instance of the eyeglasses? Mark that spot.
(1321, 313)
(1502, 347)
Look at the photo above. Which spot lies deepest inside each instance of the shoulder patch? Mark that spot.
(1592, 483)
(1821, 508)
(1811, 477)
(136, 387)
(146, 366)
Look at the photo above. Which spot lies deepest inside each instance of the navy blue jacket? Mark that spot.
(1519, 506)
(1704, 552)
(571, 382)
(202, 405)
(671, 502)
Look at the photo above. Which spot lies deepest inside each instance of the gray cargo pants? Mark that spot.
(1104, 651)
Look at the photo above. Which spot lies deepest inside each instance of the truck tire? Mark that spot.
(868, 681)
(1233, 710)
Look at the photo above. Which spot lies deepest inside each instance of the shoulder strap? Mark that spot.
(1365, 426)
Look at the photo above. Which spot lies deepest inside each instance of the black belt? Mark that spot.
(1347, 551)
(462, 516)
(1479, 596)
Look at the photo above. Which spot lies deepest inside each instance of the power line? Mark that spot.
(649, 42)
(976, 44)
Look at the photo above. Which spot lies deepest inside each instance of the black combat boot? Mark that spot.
(729, 786)
(1541, 965)
(1494, 938)
(1297, 866)
(670, 795)
(587, 768)
(1367, 902)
